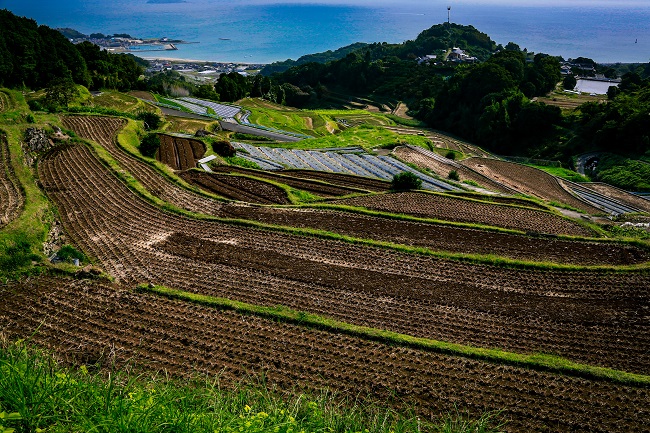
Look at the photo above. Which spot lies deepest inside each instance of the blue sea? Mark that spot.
(266, 31)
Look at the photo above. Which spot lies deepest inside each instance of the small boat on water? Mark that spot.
(224, 39)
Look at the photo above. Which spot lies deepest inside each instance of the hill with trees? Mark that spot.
(486, 97)
(33, 56)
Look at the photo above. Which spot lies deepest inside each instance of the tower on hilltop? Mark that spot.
(449, 15)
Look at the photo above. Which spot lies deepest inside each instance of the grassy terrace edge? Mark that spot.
(541, 362)
(136, 187)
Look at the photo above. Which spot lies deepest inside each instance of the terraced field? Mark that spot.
(342, 179)
(620, 195)
(450, 208)
(147, 96)
(593, 316)
(237, 187)
(92, 321)
(185, 125)
(527, 180)
(443, 166)
(356, 162)
(12, 198)
(103, 130)
(119, 101)
(431, 236)
(590, 316)
(5, 103)
(311, 181)
(178, 152)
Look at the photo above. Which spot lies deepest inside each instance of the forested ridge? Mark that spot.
(33, 56)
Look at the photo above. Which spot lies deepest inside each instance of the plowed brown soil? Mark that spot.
(103, 131)
(589, 316)
(12, 199)
(450, 208)
(528, 181)
(314, 186)
(147, 96)
(237, 187)
(179, 153)
(348, 180)
(92, 322)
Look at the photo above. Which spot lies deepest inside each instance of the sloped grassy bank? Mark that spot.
(37, 394)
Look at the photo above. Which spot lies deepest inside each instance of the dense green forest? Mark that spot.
(34, 56)
(324, 57)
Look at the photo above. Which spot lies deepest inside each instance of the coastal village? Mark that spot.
(202, 72)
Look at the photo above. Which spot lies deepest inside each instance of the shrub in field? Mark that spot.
(149, 145)
(35, 105)
(68, 252)
(151, 120)
(405, 181)
(453, 175)
(451, 155)
(223, 148)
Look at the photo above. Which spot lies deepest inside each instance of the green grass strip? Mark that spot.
(541, 362)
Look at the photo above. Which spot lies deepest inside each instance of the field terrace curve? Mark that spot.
(436, 237)
(528, 181)
(91, 322)
(12, 199)
(587, 316)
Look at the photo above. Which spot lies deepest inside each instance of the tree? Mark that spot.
(150, 145)
(511, 46)
(151, 120)
(223, 148)
(60, 92)
(612, 91)
(206, 91)
(569, 82)
(405, 181)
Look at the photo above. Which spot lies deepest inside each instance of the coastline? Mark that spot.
(179, 60)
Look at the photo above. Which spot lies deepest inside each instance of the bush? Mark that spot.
(35, 105)
(405, 181)
(151, 120)
(569, 82)
(149, 145)
(68, 252)
(453, 175)
(223, 148)
(451, 155)
(30, 118)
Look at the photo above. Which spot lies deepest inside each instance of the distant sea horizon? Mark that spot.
(247, 32)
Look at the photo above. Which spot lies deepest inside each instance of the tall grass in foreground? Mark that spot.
(38, 395)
